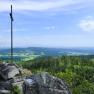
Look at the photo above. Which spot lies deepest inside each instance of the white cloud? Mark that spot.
(44, 5)
(87, 24)
(50, 28)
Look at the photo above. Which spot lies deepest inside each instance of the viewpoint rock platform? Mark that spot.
(41, 83)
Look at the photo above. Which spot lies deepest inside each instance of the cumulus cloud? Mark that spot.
(38, 5)
(87, 24)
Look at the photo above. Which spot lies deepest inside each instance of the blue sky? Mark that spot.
(48, 23)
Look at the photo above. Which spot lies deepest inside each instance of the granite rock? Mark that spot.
(44, 83)
(41, 83)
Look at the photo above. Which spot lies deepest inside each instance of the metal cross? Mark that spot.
(11, 17)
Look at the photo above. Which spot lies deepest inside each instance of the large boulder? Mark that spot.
(8, 76)
(44, 83)
(8, 71)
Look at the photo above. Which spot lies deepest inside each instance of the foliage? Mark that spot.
(16, 90)
(77, 71)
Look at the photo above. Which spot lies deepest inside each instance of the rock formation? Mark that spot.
(9, 76)
(8, 71)
(42, 83)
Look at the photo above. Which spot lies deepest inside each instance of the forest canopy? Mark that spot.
(77, 71)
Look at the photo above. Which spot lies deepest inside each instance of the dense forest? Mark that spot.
(77, 71)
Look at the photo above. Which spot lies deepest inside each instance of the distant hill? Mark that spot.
(51, 51)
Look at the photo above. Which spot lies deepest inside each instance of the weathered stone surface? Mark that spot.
(5, 87)
(45, 84)
(42, 83)
(8, 71)
(8, 76)
(5, 92)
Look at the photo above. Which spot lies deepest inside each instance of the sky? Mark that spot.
(48, 23)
